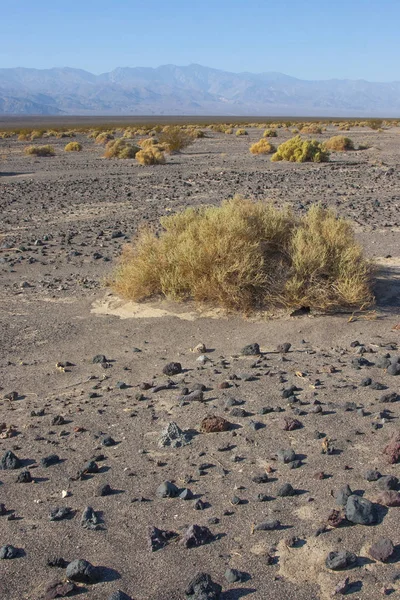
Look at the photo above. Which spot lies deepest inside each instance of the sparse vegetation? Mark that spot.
(270, 133)
(262, 147)
(311, 128)
(104, 137)
(298, 150)
(120, 149)
(40, 150)
(241, 132)
(246, 256)
(73, 147)
(175, 139)
(151, 156)
(339, 143)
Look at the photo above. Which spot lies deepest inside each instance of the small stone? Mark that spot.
(159, 538)
(286, 490)
(60, 513)
(214, 424)
(202, 587)
(335, 518)
(263, 478)
(24, 477)
(89, 519)
(267, 526)
(81, 571)
(389, 498)
(172, 368)
(186, 494)
(340, 560)
(108, 441)
(12, 396)
(342, 495)
(99, 358)
(289, 424)
(342, 587)
(104, 490)
(382, 549)
(48, 461)
(393, 369)
(58, 420)
(389, 397)
(173, 436)
(200, 348)
(284, 348)
(251, 350)
(57, 561)
(59, 589)
(199, 504)
(118, 595)
(372, 475)
(196, 535)
(286, 456)
(388, 482)
(392, 450)
(233, 575)
(167, 490)
(10, 461)
(8, 551)
(360, 510)
(91, 467)
(366, 382)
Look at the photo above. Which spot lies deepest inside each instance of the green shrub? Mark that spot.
(40, 150)
(73, 147)
(246, 256)
(120, 149)
(262, 147)
(298, 150)
(311, 128)
(339, 143)
(241, 132)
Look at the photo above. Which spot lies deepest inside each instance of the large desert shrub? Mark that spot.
(103, 137)
(73, 147)
(175, 139)
(262, 147)
(65, 134)
(151, 156)
(270, 133)
(37, 134)
(40, 150)
(339, 143)
(120, 149)
(298, 150)
(246, 256)
(240, 132)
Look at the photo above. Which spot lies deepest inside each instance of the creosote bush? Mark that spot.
(247, 256)
(339, 143)
(175, 139)
(103, 138)
(311, 128)
(298, 150)
(151, 155)
(270, 133)
(40, 150)
(73, 147)
(262, 147)
(120, 149)
(241, 132)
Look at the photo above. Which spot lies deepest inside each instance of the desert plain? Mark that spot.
(64, 221)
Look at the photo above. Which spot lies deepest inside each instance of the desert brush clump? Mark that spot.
(298, 150)
(175, 139)
(40, 150)
(339, 143)
(241, 132)
(270, 133)
(263, 146)
(151, 155)
(73, 147)
(247, 256)
(311, 128)
(103, 137)
(120, 149)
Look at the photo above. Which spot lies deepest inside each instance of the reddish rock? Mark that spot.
(389, 498)
(335, 518)
(289, 424)
(59, 589)
(382, 549)
(392, 450)
(214, 424)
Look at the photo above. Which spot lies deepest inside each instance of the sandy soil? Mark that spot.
(64, 221)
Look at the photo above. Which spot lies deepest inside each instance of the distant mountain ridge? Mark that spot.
(189, 90)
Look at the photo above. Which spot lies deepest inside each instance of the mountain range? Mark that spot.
(189, 90)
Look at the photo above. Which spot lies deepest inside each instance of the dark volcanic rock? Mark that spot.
(342, 495)
(286, 490)
(104, 490)
(360, 510)
(158, 538)
(172, 368)
(286, 456)
(173, 436)
(233, 575)
(118, 595)
(60, 513)
(340, 560)
(202, 587)
(284, 348)
(387, 482)
(89, 519)
(372, 475)
(267, 526)
(196, 535)
(48, 461)
(24, 477)
(10, 461)
(167, 490)
(99, 358)
(250, 350)
(82, 571)
(8, 551)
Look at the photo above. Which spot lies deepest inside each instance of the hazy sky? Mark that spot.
(309, 39)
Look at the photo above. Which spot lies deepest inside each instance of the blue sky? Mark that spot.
(309, 39)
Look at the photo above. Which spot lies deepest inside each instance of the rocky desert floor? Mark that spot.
(317, 415)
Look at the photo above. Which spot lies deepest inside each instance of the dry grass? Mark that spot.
(246, 256)
(339, 143)
(270, 133)
(298, 150)
(73, 147)
(175, 139)
(240, 132)
(120, 149)
(152, 155)
(40, 150)
(262, 147)
(103, 137)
